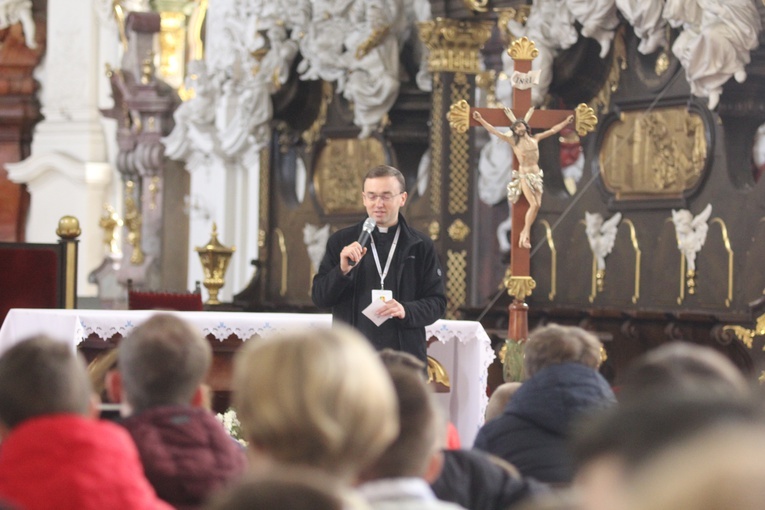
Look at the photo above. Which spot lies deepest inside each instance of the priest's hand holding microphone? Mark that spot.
(353, 253)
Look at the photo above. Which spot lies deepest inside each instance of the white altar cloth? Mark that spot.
(462, 347)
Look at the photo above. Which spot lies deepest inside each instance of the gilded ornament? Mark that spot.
(603, 355)
(172, 47)
(68, 227)
(662, 63)
(438, 376)
(585, 119)
(453, 45)
(147, 71)
(109, 223)
(153, 188)
(504, 15)
(486, 80)
(600, 278)
(523, 49)
(690, 281)
(437, 144)
(458, 231)
(456, 281)
(375, 38)
(553, 259)
(729, 251)
(459, 116)
(618, 64)
(285, 260)
(747, 335)
(520, 286)
(668, 153)
(196, 49)
(477, 5)
(638, 255)
(133, 222)
(337, 177)
(215, 258)
(434, 230)
(459, 158)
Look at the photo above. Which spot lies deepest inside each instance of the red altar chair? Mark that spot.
(157, 300)
(40, 275)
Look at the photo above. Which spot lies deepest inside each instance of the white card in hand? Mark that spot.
(371, 312)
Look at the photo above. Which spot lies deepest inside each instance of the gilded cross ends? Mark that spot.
(585, 119)
(523, 49)
(459, 116)
(520, 286)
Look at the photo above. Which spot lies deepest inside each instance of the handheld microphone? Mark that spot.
(366, 232)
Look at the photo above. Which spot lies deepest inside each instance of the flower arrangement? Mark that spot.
(230, 422)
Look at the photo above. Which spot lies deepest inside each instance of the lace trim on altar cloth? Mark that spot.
(107, 328)
(464, 333)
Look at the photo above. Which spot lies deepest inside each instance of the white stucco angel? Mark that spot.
(243, 112)
(19, 11)
(601, 235)
(418, 11)
(373, 61)
(691, 233)
(551, 26)
(193, 130)
(598, 19)
(716, 42)
(315, 239)
(645, 17)
(321, 45)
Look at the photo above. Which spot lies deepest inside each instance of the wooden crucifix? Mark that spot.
(519, 282)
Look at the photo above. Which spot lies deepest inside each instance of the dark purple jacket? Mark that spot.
(186, 453)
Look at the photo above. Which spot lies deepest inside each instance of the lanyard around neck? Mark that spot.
(384, 272)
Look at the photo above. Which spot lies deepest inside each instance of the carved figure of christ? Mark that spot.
(527, 179)
(526, 157)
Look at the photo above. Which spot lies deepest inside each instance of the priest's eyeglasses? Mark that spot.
(385, 197)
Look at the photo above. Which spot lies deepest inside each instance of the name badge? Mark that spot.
(382, 295)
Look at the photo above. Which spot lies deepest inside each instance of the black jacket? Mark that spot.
(533, 432)
(472, 480)
(419, 286)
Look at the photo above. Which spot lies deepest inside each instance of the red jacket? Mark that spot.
(186, 453)
(69, 462)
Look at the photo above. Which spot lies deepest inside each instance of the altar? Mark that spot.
(462, 347)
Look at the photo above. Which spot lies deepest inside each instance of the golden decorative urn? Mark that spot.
(215, 258)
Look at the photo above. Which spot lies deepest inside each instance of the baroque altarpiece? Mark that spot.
(651, 229)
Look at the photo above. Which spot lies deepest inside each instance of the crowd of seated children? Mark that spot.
(332, 424)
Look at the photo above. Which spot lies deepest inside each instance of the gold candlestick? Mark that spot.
(215, 258)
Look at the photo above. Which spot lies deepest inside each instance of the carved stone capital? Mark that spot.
(454, 45)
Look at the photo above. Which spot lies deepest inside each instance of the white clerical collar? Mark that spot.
(383, 230)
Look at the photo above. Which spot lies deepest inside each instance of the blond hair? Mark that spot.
(318, 397)
(553, 344)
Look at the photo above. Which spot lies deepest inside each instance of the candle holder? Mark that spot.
(215, 258)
